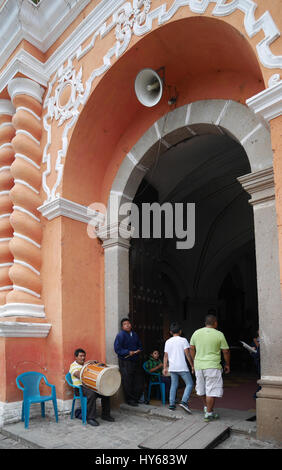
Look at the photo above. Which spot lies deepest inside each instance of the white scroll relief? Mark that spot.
(68, 92)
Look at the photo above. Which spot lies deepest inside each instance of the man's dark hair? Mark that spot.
(123, 320)
(175, 327)
(210, 319)
(79, 350)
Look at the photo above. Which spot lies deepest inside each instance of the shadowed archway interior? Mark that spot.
(219, 272)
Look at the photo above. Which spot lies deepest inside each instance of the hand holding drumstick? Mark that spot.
(131, 353)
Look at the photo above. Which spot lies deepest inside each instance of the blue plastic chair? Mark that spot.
(157, 381)
(81, 397)
(29, 382)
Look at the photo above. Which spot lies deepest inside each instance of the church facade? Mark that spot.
(76, 146)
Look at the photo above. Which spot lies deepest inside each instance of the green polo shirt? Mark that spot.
(208, 343)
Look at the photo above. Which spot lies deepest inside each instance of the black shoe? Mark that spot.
(108, 418)
(132, 403)
(92, 422)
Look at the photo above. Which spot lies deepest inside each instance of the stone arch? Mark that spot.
(191, 71)
(198, 118)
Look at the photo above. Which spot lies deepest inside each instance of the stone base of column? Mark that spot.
(269, 406)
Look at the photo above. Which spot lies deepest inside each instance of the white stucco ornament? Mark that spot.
(68, 93)
(67, 90)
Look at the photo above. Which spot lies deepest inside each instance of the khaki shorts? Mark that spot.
(209, 382)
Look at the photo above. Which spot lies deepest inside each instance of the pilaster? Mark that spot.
(260, 185)
(7, 133)
(25, 245)
(116, 244)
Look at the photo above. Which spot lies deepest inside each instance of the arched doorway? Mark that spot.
(130, 145)
(254, 175)
(202, 170)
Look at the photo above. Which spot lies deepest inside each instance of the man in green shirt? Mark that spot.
(206, 345)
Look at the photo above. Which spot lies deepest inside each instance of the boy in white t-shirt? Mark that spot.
(176, 350)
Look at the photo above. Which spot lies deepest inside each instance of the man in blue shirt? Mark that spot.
(128, 348)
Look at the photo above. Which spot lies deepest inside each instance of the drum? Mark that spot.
(103, 379)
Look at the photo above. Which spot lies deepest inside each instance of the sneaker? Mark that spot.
(185, 407)
(172, 407)
(211, 417)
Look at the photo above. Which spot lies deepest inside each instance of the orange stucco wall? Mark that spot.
(113, 120)
(18, 356)
(276, 135)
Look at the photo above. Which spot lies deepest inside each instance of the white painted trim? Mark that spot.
(22, 310)
(5, 168)
(41, 24)
(24, 183)
(27, 239)
(24, 330)
(95, 24)
(27, 291)
(25, 211)
(27, 159)
(267, 103)
(23, 62)
(25, 86)
(12, 412)
(26, 265)
(260, 185)
(28, 134)
(7, 144)
(64, 207)
(7, 108)
(23, 108)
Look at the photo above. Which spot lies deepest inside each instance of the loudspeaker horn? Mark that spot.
(148, 87)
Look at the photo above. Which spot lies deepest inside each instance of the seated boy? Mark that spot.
(155, 365)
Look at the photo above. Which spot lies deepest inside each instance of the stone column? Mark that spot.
(7, 132)
(25, 246)
(260, 185)
(116, 251)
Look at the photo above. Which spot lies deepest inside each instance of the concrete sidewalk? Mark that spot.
(131, 427)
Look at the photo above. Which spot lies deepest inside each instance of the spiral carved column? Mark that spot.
(7, 132)
(25, 245)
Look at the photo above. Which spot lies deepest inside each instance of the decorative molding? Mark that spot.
(63, 207)
(260, 185)
(117, 233)
(128, 19)
(41, 24)
(25, 86)
(7, 108)
(22, 310)
(24, 330)
(32, 22)
(268, 103)
(23, 62)
(63, 111)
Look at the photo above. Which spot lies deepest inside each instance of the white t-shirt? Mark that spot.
(174, 347)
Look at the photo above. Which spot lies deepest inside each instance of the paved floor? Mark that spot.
(131, 427)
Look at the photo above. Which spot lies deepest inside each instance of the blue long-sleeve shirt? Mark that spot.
(126, 342)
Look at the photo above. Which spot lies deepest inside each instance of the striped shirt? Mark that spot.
(75, 367)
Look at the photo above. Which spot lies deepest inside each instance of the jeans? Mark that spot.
(186, 376)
